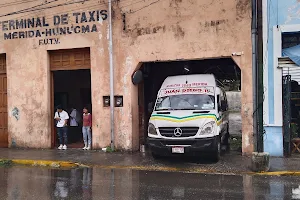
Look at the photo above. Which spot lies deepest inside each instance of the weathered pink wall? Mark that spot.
(161, 31)
(180, 30)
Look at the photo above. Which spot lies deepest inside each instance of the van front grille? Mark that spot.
(186, 131)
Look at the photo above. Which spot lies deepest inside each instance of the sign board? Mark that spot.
(181, 91)
(48, 30)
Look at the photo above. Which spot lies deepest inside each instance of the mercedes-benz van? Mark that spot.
(189, 117)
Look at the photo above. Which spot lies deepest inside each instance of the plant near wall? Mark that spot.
(294, 130)
(109, 149)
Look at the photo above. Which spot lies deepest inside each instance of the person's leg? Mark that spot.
(65, 134)
(60, 137)
(85, 135)
(89, 136)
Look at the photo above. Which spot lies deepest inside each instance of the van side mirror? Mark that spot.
(223, 105)
(150, 107)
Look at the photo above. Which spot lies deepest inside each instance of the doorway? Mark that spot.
(225, 70)
(70, 88)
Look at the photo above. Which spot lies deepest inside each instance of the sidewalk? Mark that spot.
(230, 163)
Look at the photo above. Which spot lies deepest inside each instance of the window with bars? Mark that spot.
(290, 39)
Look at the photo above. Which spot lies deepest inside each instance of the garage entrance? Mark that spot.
(3, 103)
(225, 70)
(71, 88)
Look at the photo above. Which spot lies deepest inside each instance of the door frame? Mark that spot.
(53, 131)
(4, 72)
(53, 69)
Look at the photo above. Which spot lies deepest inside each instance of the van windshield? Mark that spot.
(186, 102)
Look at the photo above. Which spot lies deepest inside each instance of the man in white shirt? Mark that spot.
(61, 118)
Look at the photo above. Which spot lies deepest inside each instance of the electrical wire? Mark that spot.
(36, 11)
(16, 3)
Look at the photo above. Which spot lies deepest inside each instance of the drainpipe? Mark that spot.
(254, 71)
(111, 75)
(260, 160)
(260, 84)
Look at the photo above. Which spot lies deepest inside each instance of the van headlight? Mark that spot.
(152, 129)
(208, 128)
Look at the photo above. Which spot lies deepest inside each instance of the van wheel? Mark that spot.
(217, 152)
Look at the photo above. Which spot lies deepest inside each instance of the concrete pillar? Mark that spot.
(244, 62)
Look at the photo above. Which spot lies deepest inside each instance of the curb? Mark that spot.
(278, 173)
(67, 164)
(41, 163)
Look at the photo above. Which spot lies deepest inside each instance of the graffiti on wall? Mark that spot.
(15, 113)
(42, 27)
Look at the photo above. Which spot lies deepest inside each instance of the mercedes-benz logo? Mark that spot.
(177, 132)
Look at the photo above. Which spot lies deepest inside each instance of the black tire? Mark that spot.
(227, 136)
(225, 143)
(216, 155)
(156, 156)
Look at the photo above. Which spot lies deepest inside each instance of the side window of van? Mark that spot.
(221, 96)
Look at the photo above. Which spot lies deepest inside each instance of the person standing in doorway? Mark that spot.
(87, 129)
(75, 125)
(62, 118)
(74, 117)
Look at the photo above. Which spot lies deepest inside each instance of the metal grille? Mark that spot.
(286, 92)
(186, 131)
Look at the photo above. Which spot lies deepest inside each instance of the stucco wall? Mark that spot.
(176, 30)
(234, 106)
(280, 17)
(234, 100)
(143, 31)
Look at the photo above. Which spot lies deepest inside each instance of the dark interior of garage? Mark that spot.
(154, 73)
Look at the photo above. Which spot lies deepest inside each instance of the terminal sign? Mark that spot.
(43, 27)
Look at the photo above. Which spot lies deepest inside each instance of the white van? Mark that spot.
(189, 117)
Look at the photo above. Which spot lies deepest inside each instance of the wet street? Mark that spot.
(124, 184)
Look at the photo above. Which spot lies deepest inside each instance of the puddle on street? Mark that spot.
(95, 183)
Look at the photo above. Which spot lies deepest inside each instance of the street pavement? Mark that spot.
(231, 162)
(23, 182)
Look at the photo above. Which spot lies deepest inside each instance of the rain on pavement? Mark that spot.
(94, 183)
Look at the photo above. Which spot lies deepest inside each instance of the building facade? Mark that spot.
(40, 39)
(281, 30)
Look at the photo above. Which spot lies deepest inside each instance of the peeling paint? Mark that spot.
(127, 66)
(101, 51)
(139, 31)
(107, 32)
(247, 141)
(178, 31)
(242, 8)
(100, 21)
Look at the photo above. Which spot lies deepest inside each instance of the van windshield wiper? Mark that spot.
(184, 109)
(163, 109)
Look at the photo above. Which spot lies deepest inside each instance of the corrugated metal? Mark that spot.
(289, 68)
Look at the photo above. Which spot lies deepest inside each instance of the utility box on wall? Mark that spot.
(118, 101)
(106, 101)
